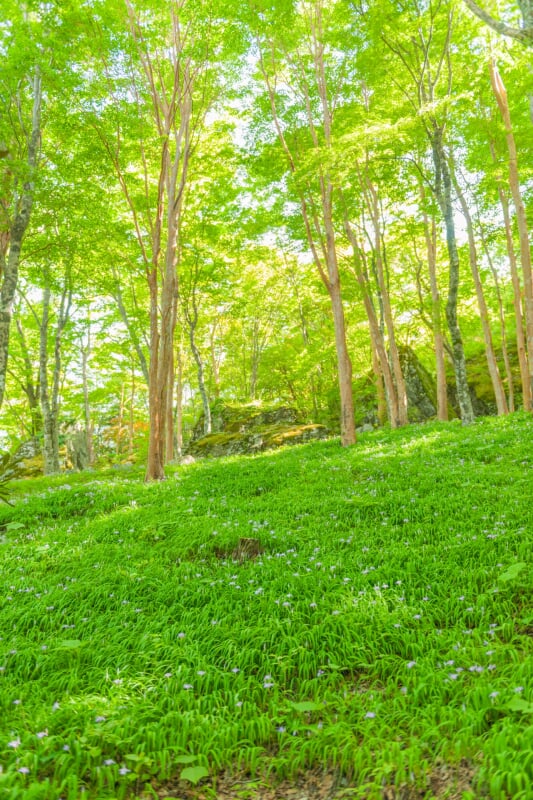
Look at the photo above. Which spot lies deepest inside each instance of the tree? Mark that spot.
(311, 94)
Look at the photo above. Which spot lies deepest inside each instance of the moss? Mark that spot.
(214, 439)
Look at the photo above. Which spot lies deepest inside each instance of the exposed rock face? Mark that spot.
(420, 385)
(422, 389)
(241, 430)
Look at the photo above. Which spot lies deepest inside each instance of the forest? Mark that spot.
(227, 227)
(317, 204)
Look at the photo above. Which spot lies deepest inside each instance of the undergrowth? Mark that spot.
(385, 631)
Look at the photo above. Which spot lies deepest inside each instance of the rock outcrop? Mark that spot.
(242, 430)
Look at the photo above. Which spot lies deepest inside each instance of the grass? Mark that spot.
(384, 633)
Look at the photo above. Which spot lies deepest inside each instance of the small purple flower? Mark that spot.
(187, 686)
(518, 689)
(41, 734)
(109, 761)
(124, 771)
(24, 770)
(370, 715)
(14, 744)
(181, 635)
(100, 719)
(411, 664)
(66, 748)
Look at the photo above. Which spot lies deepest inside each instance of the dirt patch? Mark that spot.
(445, 782)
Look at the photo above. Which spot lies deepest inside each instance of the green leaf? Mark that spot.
(186, 759)
(513, 571)
(14, 526)
(519, 704)
(306, 705)
(194, 774)
(70, 644)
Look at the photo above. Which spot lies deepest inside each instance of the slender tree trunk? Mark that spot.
(503, 324)
(179, 403)
(131, 427)
(120, 420)
(214, 363)
(154, 467)
(380, 386)
(514, 183)
(324, 230)
(344, 364)
(50, 451)
(169, 427)
(86, 405)
(31, 388)
(192, 322)
(430, 234)
(444, 198)
(517, 292)
(376, 335)
(9, 265)
(401, 392)
(494, 372)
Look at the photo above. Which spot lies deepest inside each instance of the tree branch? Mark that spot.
(524, 35)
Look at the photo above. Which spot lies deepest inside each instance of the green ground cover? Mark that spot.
(384, 632)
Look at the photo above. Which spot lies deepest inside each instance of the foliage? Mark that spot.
(384, 632)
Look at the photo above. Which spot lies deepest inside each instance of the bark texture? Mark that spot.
(521, 220)
(443, 193)
(11, 243)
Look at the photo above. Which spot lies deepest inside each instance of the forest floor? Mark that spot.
(376, 644)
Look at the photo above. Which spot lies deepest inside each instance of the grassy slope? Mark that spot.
(383, 601)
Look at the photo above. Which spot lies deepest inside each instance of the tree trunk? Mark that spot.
(131, 426)
(192, 321)
(86, 405)
(514, 183)
(444, 198)
(503, 324)
(50, 449)
(324, 230)
(31, 388)
(494, 372)
(214, 363)
(9, 266)
(154, 466)
(517, 293)
(179, 403)
(430, 234)
(380, 386)
(376, 335)
(401, 392)
(120, 421)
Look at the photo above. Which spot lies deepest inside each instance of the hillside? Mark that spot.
(378, 647)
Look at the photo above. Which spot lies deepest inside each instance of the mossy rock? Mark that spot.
(256, 440)
(240, 418)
